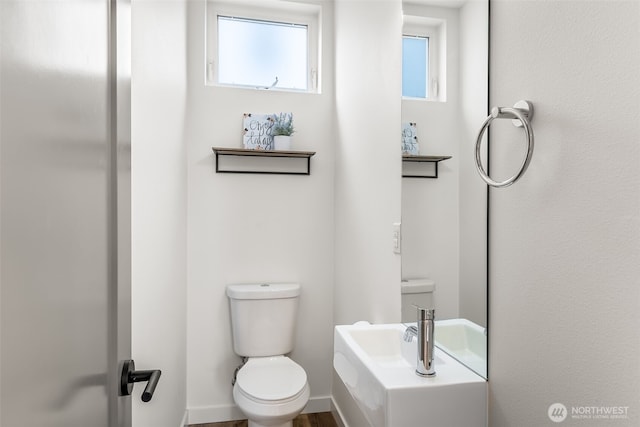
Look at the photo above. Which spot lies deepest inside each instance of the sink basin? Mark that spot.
(465, 341)
(378, 369)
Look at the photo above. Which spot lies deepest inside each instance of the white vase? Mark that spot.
(282, 142)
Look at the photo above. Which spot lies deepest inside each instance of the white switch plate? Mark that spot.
(397, 237)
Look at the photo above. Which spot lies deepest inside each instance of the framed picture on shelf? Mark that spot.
(410, 139)
(257, 131)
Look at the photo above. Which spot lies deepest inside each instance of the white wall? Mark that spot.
(565, 239)
(430, 207)
(367, 166)
(159, 251)
(256, 228)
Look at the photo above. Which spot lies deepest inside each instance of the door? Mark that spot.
(64, 212)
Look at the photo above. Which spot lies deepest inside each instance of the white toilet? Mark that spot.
(416, 292)
(270, 389)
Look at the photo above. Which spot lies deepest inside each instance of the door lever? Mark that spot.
(130, 376)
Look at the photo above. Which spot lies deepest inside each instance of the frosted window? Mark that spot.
(255, 53)
(415, 67)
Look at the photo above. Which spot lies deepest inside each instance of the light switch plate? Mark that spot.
(397, 237)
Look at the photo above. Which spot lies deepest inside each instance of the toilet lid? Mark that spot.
(271, 378)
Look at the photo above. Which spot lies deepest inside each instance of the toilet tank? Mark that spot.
(416, 292)
(263, 318)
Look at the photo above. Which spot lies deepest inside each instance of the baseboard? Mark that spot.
(219, 413)
(214, 414)
(337, 414)
(318, 404)
(185, 419)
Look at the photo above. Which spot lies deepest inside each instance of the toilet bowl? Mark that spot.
(270, 388)
(271, 391)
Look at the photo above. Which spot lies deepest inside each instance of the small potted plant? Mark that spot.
(282, 131)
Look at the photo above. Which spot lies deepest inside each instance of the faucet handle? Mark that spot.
(425, 313)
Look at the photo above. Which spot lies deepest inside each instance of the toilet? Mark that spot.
(270, 388)
(416, 292)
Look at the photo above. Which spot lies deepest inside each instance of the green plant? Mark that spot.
(283, 125)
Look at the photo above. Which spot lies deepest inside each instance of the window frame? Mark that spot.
(423, 27)
(427, 73)
(269, 11)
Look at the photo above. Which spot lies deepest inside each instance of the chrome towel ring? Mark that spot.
(521, 115)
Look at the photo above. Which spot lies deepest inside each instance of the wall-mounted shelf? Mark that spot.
(416, 171)
(271, 162)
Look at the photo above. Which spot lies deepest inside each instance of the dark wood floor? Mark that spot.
(321, 419)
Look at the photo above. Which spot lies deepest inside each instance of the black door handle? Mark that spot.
(130, 376)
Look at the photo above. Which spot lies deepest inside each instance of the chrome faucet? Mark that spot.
(424, 331)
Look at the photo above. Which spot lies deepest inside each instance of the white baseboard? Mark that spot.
(318, 404)
(185, 419)
(337, 414)
(219, 413)
(214, 414)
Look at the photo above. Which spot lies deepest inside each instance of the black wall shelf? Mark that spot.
(221, 152)
(409, 158)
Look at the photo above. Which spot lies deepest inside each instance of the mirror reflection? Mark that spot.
(444, 202)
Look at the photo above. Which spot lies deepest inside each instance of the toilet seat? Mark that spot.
(271, 380)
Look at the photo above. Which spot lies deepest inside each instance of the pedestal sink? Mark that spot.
(378, 369)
